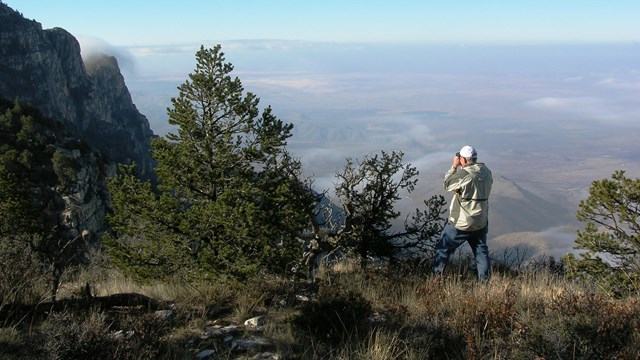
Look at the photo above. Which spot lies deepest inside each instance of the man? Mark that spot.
(470, 182)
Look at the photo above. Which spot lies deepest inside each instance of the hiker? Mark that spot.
(470, 182)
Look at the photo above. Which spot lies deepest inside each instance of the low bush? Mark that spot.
(584, 326)
(336, 316)
(69, 335)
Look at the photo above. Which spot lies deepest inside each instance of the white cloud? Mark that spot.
(616, 83)
(564, 104)
(299, 83)
(434, 160)
(227, 46)
(91, 46)
(271, 44)
(163, 50)
(587, 108)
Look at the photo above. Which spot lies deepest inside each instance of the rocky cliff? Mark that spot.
(44, 68)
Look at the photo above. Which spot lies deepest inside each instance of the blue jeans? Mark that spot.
(451, 238)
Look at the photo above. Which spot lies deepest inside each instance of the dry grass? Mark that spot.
(532, 315)
(416, 316)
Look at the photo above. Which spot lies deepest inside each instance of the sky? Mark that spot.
(137, 23)
(547, 91)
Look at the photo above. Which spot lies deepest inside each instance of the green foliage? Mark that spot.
(21, 206)
(64, 166)
(610, 240)
(368, 194)
(23, 150)
(17, 210)
(33, 167)
(149, 244)
(22, 279)
(229, 200)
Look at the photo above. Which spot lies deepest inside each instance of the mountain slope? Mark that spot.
(515, 209)
(43, 68)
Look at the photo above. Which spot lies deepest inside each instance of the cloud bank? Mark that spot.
(92, 46)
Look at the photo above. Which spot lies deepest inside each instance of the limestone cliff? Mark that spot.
(44, 68)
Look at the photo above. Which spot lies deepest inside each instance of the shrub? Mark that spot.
(336, 315)
(69, 337)
(74, 336)
(583, 326)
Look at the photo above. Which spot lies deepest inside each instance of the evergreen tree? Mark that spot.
(368, 194)
(609, 244)
(229, 201)
(33, 244)
(19, 264)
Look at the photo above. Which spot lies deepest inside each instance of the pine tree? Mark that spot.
(609, 244)
(230, 200)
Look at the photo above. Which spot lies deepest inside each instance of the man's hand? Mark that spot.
(456, 162)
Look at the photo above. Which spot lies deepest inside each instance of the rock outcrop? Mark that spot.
(65, 177)
(85, 199)
(44, 68)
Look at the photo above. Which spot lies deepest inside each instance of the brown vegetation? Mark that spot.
(388, 313)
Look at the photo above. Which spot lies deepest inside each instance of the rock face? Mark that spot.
(85, 199)
(44, 68)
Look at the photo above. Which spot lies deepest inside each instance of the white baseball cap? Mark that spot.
(468, 151)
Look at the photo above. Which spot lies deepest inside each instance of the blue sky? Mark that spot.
(138, 23)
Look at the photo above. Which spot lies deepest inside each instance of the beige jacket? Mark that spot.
(471, 185)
